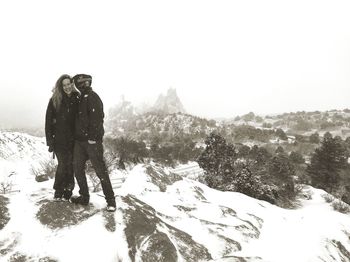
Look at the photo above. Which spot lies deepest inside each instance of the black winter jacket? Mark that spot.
(89, 119)
(59, 125)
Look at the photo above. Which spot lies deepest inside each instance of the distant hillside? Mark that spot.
(38, 131)
(336, 122)
(123, 120)
(166, 117)
(143, 126)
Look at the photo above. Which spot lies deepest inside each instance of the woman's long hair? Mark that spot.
(57, 95)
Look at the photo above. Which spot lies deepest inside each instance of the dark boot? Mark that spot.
(58, 195)
(67, 194)
(111, 206)
(81, 200)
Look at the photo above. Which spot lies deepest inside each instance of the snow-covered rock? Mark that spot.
(162, 216)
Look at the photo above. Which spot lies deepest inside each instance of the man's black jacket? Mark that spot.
(89, 118)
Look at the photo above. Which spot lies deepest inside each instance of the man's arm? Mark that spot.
(96, 115)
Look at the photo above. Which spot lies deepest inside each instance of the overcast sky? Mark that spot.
(225, 58)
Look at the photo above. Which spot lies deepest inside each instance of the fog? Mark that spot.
(225, 58)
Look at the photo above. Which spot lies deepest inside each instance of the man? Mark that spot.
(88, 142)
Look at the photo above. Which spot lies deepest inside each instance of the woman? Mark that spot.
(59, 130)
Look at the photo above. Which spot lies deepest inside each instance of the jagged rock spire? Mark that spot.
(170, 103)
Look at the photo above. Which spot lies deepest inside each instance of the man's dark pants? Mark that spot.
(64, 178)
(84, 151)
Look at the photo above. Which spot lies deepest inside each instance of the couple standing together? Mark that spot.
(74, 132)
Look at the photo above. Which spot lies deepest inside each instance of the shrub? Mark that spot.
(328, 198)
(302, 125)
(6, 186)
(267, 125)
(337, 204)
(259, 175)
(127, 150)
(4, 212)
(46, 170)
(300, 191)
(279, 150)
(314, 138)
(340, 206)
(248, 117)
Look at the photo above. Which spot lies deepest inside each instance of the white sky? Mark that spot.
(225, 58)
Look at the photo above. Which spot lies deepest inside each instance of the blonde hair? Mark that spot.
(58, 91)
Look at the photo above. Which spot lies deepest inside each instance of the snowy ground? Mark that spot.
(226, 224)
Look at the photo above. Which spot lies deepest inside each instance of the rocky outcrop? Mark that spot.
(58, 215)
(160, 178)
(170, 103)
(152, 239)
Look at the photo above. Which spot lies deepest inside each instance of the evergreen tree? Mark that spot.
(327, 161)
(217, 160)
(259, 154)
(296, 158)
(267, 125)
(281, 172)
(259, 119)
(347, 144)
(314, 138)
(248, 117)
(246, 182)
(243, 151)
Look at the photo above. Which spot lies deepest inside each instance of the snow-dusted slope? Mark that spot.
(230, 224)
(15, 146)
(164, 217)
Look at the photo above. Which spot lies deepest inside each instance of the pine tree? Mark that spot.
(314, 138)
(217, 160)
(327, 161)
(281, 172)
(296, 158)
(259, 154)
